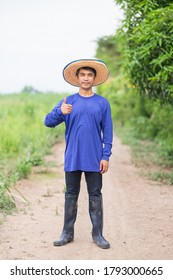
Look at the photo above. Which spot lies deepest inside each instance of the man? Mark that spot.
(88, 136)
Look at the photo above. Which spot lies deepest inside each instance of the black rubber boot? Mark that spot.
(96, 215)
(70, 213)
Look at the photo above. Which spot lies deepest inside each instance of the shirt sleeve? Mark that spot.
(107, 128)
(55, 117)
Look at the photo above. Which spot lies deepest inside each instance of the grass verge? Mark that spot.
(149, 156)
(24, 140)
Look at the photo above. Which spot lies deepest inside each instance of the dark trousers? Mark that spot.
(93, 180)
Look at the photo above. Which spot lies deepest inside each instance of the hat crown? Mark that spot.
(69, 71)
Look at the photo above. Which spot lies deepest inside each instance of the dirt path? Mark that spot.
(138, 215)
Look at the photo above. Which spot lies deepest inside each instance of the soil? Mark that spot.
(138, 215)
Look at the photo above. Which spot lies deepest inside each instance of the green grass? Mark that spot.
(148, 155)
(161, 176)
(24, 140)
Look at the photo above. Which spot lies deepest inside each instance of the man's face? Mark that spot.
(85, 79)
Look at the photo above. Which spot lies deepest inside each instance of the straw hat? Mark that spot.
(69, 71)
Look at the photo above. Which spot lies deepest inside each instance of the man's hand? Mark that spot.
(66, 108)
(104, 165)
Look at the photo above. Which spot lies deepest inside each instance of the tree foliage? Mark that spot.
(143, 47)
(148, 32)
(109, 49)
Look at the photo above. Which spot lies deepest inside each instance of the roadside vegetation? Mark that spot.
(24, 140)
(140, 88)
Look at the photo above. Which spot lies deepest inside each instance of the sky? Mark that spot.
(39, 37)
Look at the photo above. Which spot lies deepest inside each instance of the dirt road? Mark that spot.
(138, 215)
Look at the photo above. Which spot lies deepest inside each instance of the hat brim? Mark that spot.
(69, 71)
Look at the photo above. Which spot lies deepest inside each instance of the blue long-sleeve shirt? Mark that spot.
(89, 131)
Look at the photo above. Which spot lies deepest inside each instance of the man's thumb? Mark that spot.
(64, 101)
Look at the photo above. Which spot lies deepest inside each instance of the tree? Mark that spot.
(109, 49)
(148, 33)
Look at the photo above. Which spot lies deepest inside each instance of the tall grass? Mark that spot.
(24, 139)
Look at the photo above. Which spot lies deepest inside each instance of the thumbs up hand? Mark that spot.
(66, 108)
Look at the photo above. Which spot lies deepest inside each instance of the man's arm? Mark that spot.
(57, 115)
(107, 128)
